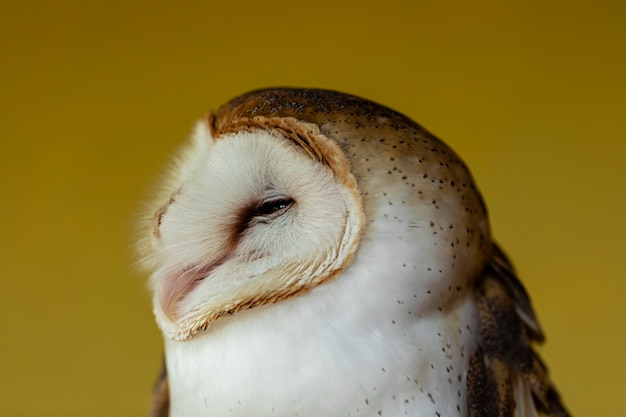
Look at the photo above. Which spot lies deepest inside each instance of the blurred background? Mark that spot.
(96, 95)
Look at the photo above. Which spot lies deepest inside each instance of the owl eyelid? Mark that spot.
(262, 212)
(271, 208)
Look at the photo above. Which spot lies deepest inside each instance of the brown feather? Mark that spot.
(308, 105)
(160, 404)
(508, 326)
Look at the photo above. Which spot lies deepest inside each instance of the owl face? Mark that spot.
(252, 218)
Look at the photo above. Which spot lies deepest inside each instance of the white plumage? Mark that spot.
(316, 254)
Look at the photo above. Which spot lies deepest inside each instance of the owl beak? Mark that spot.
(176, 285)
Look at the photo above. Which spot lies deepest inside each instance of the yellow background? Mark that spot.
(96, 94)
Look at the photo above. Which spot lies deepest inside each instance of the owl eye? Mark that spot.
(262, 212)
(273, 208)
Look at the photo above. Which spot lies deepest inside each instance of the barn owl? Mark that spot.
(316, 254)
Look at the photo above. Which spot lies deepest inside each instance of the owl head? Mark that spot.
(283, 190)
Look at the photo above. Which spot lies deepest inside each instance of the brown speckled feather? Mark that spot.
(505, 357)
(310, 105)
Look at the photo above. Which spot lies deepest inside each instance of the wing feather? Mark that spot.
(506, 377)
(160, 405)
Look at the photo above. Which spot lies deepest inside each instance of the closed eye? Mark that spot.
(270, 209)
(262, 212)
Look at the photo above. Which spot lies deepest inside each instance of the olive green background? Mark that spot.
(97, 94)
